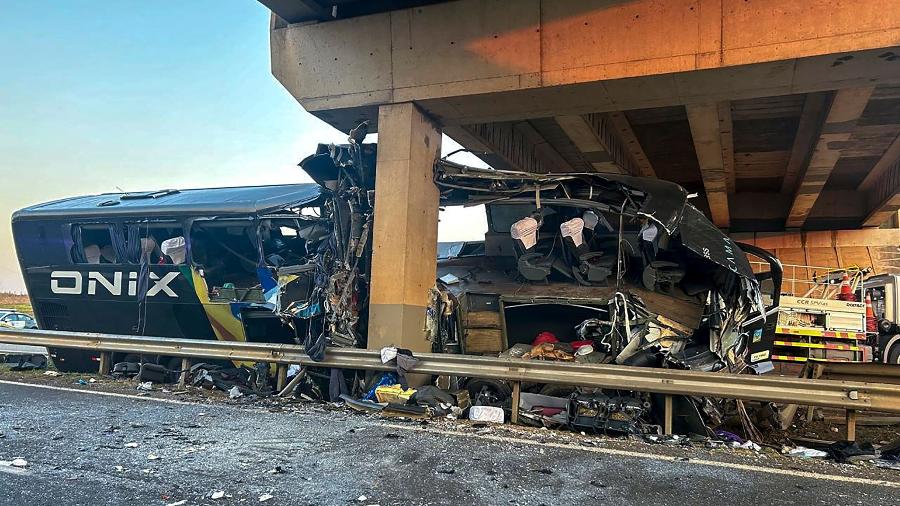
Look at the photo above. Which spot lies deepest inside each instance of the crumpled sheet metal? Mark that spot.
(664, 202)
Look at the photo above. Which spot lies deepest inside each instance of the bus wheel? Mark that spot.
(173, 364)
(67, 360)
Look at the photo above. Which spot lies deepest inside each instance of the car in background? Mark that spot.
(16, 319)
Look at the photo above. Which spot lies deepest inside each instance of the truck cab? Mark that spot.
(884, 290)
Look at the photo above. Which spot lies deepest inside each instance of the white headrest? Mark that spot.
(590, 219)
(573, 228)
(175, 249)
(525, 230)
(108, 253)
(148, 244)
(92, 254)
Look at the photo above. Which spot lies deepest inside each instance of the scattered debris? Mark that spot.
(265, 497)
(131, 445)
(217, 495)
(30, 363)
(146, 386)
(19, 462)
(52, 373)
(153, 456)
(805, 453)
(852, 451)
(491, 414)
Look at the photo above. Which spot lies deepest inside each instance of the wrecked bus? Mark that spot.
(175, 263)
(282, 263)
(594, 268)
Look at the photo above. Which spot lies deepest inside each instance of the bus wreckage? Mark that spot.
(587, 267)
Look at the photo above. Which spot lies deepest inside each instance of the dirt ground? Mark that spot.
(16, 301)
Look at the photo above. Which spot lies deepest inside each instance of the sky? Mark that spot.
(98, 96)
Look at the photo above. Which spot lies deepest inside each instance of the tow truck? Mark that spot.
(820, 330)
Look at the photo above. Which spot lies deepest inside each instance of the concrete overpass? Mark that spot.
(782, 115)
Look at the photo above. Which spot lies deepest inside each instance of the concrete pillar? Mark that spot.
(404, 257)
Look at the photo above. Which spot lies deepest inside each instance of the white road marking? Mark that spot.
(95, 392)
(652, 456)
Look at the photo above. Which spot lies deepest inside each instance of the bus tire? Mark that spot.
(69, 360)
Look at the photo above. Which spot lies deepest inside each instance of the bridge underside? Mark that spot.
(779, 115)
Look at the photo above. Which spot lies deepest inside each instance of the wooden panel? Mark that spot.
(775, 134)
(778, 240)
(656, 115)
(557, 138)
(630, 143)
(760, 164)
(848, 173)
(706, 131)
(542, 149)
(484, 341)
(871, 140)
(823, 257)
(815, 107)
(846, 108)
(855, 255)
(784, 106)
(487, 319)
(669, 148)
(886, 259)
(793, 256)
(593, 141)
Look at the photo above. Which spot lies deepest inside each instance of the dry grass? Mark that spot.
(15, 301)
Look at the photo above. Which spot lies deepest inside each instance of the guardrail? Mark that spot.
(849, 395)
(872, 372)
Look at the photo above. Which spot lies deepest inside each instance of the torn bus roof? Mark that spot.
(247, 200)
(665, 202)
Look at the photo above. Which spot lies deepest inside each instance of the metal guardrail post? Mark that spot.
(282, 377)
(851, 425)
(103, 368)
(185, 371)
(516, 396)
(667, 416)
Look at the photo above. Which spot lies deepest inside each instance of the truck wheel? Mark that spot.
(893, 356)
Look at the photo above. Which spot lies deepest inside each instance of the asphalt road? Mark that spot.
(14, 349)
(91, 449)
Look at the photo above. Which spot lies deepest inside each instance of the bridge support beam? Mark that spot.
(404, 257)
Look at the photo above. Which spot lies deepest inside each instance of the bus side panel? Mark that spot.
(103, 298)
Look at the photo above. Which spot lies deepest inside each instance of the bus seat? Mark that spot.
(532, 266)
(92, 254)
(587, 266)
(108, 254)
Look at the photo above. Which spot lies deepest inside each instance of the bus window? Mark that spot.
(285, 240)
(93, 245)
(227, 255)
(151, 237)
